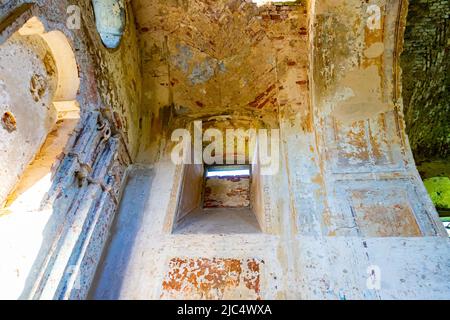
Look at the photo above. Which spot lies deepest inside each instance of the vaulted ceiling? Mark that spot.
(216, 57)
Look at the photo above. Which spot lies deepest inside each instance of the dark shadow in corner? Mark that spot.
(108, 280)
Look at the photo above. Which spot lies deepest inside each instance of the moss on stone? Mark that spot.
(439, 191)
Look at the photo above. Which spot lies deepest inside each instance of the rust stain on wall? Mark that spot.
(9, 122)
(217, 278)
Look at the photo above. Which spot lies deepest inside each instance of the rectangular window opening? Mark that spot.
(228, 171)
(224, 206)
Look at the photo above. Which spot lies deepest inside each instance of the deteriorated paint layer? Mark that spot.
(86, 178)
(201, 278)
(28, 117)
(264, 64)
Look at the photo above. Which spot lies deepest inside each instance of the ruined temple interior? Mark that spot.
(354, 204)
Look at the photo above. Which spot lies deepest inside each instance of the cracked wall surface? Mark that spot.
(347, 195)
(26, 104)
(86, 177)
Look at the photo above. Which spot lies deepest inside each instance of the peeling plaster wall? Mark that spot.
(365, 159)
(111, 80)
(356, 142)
(347, 195)
(118, 77)
(26, 94)
(87, 177)
(212, 279)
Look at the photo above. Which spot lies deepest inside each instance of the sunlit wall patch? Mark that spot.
(110, 20)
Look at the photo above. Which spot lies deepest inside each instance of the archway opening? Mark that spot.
(43, 113)
(39, 113)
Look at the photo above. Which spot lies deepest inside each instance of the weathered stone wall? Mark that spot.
(27, 114)
(347, 196)
(117, 75)
(87, 177)
(426, 78)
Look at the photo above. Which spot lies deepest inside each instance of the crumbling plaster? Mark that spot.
(27, 92)
(347, 196)
(87, 177)
(307, 69)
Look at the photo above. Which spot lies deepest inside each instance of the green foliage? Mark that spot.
(439, 191)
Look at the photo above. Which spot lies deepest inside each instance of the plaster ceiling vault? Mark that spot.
(211, 57)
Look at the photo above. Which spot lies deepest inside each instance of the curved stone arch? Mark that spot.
(59, 64)
(63, 54)
(47, 113)
(110, 20)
